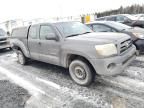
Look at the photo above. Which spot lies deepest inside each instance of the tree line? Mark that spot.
(133, 9)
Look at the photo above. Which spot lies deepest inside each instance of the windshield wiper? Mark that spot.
(77, 34)
(86, 32)
(73, 35)
(123, 29)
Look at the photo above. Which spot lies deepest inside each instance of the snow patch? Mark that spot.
(49, 83)
(22, 82)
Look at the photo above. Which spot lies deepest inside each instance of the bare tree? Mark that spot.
(133, 9)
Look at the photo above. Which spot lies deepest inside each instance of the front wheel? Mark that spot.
(21, 58)
(81, 73)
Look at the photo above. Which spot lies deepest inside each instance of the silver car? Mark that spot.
(4, 42)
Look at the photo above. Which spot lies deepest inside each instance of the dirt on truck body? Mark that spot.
(73, 45)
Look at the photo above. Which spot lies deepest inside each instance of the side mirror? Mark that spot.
(8, 33)
(51, 36)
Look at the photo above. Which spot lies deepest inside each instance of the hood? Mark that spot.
(136, 30)
(100, 37)
(138, 22)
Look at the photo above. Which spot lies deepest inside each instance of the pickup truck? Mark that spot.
(74, 46)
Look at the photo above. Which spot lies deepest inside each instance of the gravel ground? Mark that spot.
(12, 96)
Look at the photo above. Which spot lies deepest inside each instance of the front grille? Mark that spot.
(125, 45)
(3, 41)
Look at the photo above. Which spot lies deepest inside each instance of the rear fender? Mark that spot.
(17, 44)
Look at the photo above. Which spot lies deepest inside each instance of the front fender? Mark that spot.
(66, 54)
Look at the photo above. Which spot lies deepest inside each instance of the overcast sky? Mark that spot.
(29, 9)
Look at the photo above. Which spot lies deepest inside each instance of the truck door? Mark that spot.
(49, 45)
(33, 42)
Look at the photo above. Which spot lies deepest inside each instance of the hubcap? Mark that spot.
(80, 72)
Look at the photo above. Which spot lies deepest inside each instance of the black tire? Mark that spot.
(21, 58)
(81, 73)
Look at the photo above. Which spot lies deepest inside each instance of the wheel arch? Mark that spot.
(24, 51)
(71, 57)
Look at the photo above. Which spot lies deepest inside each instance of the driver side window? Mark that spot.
(45, 30)
(102, 28)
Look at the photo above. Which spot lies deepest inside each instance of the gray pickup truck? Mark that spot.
(74, 46)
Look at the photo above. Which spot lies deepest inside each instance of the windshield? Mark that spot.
(73, 28)
(119, 26)
(2, 32)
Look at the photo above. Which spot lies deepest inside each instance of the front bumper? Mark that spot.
(139, 45)
(114, 65)
(4, 46)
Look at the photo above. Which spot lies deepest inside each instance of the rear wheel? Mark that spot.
(81, 73)
(21, 58)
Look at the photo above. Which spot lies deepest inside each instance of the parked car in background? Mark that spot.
(75, 46)
(136, 33)
(139, 16)
(4, 42)
(127, 19)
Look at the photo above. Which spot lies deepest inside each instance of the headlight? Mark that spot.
(139, 35)
(106, 50)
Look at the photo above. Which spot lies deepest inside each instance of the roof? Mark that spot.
(53, 22)
(113, 15)
(100, 22)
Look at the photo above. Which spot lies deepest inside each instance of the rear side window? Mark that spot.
(33, 32)
(111, 19)
(20, 32)
(121, 18)
(101, 28)
(100, 19)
